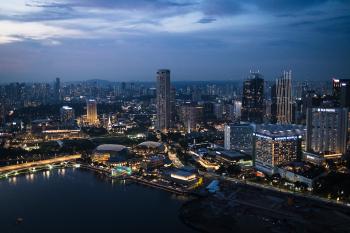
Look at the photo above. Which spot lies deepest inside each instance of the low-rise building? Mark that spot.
(183, 177)
(304, 173)
(111, 153)
(149, 148)
(234, 157)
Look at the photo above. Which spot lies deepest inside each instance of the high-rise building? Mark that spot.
(218, 110)
(67, 116)
(336, 87)
(196, 94)
(172, 106)
(273, 110)
(190, 116)
(253, 99)
(327, 131)
(276, 145)
(163, 100)
(91, 109)
(230, 112)
(208, 108)
(239, 137)
(57, 90)
(341, 91)
(238, 109)
(284, 100)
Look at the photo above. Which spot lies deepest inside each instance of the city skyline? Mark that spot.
(197, 40)
(204, 115)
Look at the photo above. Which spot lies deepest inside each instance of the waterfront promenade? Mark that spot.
(39, 163)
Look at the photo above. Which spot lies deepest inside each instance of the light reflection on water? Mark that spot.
(62, 171)
(46, 174)
(68, 197)
(30, 177)
(12, 180)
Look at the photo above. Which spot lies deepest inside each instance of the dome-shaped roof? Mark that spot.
(110, 147)
(150, 144)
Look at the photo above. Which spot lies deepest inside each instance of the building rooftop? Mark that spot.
(279, 130)
(110, 147)
(150, 144)
(304, 169)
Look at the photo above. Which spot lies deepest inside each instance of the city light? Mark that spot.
(208, 116)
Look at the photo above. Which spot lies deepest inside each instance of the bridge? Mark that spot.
(39, 163)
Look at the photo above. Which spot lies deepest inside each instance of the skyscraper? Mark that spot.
(57, 90)
(336, 87)
(218, 110)
(253, 99)
(276, 145)
(238, 109)
(327, 131)
(163, 100)
(91, 109)
(345, 93)
(190, 116)
(341, 91)
(67, 116)
(239, 137)
(173, 114)
(284, 100)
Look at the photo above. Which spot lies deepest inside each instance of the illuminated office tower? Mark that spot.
(91, 116)
(191, 116)
(238, 109)
(230, 112)
(276, 145)
(327, 131)
(284, 100)
(239, 137)
(341, 91)
(218, 110)
(173, 112)
(253, 108)
(336, 87)
(163, 100)
(67, 116)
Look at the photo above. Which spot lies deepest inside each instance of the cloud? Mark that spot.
(222, 7)
(111, 19)
(287, 5)
(12, 31)
(206, 20)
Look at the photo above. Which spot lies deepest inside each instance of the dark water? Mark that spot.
(74, 200)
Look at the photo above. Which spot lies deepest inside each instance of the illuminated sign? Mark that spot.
(278, 138)
(262, 136)
(287, 138)
(325, 110)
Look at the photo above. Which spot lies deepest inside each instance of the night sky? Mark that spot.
(126, 40)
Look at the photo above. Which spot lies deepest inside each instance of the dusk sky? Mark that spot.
(125, 40)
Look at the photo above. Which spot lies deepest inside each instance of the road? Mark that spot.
(176, 161)
(39, 163)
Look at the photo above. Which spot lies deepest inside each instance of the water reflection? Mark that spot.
(61, 171)
(78, 193)
(30, 177)
(46, 174)
(12, 180)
